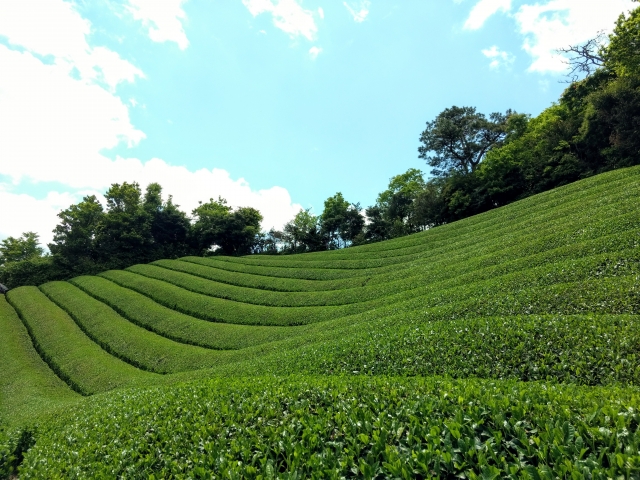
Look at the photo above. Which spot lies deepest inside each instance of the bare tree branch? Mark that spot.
(584, 58)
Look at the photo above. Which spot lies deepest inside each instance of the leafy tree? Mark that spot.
(124, 233)
(622, 54)
(218, 225)
(169, 225)
(460, 138)
(609, 135)
(352, 224)
(429, 205)
(22, 248)
(297, 231)
(268, 243)
(377, 227)
(340, 221)
(397, 201)
(74, 243)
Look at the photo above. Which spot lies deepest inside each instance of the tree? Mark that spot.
(584, 58)
(352, 224)
(124, 233)
(340, 221)
(397, 201)
(74, 243)
(169, 225)
(377, 227)
(218, 225)
(622, 54)
(429, 207)
(297, 231)
(19, 249)
(460, 138)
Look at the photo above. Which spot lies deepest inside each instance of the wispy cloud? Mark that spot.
(60, 114)
(358, 10)
(484, 9)
(560, 23)
(55, 29)
(288, 16)
(163, 19)
(499, 58)
(314, 52)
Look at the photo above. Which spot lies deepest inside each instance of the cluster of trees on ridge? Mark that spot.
(478, 163)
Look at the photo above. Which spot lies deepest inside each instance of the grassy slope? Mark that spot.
(27, 384)
(545, 289)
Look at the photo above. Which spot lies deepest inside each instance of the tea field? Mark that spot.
(505, 345)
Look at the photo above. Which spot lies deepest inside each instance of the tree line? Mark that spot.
(477, 163)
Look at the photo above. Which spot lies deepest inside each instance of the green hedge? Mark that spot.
(27, 384)
(123, 339)
(169, 323)
(347, 428)
(77, 360)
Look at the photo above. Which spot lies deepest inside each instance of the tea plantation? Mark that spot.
(506, 345)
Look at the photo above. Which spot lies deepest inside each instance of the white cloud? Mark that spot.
(288, 16)
(26, 213)
(321, 12)
(560, 23)
(314, 52)
(499, 58)
(360, 11)
(59, 114)
(54, 29)
(52, 126)
(163, 18)
(484, 9)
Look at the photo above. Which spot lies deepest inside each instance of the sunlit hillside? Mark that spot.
(505, 345)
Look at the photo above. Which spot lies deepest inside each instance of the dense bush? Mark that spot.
(347, 428)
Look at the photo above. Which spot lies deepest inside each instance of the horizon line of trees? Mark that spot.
(477, 163)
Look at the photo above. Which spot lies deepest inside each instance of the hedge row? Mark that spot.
(177, 326)
(27, 384)
(123, 339)
(517, 275)
(77, 360)
(347, 428)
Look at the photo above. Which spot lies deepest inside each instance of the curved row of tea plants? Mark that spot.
(545, 291)
(347, 428)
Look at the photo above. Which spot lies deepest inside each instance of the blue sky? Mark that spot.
(275, 104)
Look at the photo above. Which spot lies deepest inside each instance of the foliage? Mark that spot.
(64, 347)
(622, 54)
(460, 138)
(218, 226)
(27, 384)
(122, 339)
(174, 325)
(18, 249)
(544, 290)
(339, 428)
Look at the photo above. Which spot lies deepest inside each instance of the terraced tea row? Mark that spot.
(347, 428)
(545, 290)
(77, 360)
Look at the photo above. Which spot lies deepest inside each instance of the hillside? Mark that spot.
(518, 332)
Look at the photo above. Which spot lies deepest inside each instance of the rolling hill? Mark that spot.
(503, 345)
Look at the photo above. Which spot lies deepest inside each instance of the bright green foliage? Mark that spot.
(348, 428)
(220, 310)
(123, 339)
(82, 364)
(169, 323)
(544, 292)
(232, 231)
(260, 282)
(622, 54)
(27, 384)
(22, 248)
